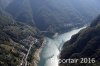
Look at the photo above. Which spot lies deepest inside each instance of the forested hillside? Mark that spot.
(85, 44)
(15, 40)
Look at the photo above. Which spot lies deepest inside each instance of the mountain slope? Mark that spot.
(15, 40)
(85, 44)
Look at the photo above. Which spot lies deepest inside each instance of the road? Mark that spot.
(24, 60)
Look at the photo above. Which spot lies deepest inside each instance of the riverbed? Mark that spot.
(52, 47)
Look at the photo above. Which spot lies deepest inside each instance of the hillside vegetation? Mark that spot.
(15, 40)
(85, 44)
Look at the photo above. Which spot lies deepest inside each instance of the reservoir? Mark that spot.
(52, 47)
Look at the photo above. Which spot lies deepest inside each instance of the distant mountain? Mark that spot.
(52, 15)
(21, 10)
(85, 44)
(5, 3)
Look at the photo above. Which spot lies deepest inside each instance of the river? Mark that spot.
(50, 51)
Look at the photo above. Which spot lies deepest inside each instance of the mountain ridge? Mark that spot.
(53, 16)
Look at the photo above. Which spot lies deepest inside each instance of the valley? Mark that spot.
(40, 32)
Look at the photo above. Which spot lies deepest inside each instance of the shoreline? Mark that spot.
(37, 54)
